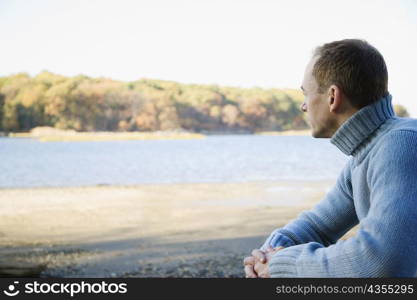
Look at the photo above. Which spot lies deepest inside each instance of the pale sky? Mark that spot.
(246, 43)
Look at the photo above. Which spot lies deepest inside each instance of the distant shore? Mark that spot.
(155, 230)
(48, 134)
(304, 132)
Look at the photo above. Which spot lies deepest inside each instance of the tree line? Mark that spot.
(100, 104)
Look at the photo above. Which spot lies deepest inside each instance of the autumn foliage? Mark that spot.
(101, 104)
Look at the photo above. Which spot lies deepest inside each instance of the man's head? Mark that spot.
(340, 79)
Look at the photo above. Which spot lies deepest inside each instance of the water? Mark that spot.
(231, 158)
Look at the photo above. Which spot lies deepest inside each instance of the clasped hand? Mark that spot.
(256, 266)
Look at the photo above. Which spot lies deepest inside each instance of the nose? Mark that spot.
(303, 107)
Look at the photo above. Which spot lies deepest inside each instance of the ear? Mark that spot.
(335, 98)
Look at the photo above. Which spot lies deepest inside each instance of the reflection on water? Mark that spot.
(232, 158)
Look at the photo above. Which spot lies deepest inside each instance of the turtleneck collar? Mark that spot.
(362, 124)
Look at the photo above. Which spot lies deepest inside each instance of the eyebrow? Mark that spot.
(302, 88)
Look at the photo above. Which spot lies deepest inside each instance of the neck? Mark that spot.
(359, 126)
(345, 116)
(341, 119)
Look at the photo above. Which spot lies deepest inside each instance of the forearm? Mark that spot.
(364, 255)
(325, 223)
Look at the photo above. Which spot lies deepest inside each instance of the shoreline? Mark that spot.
(139, 185)
(57, 135)
(304, 132)
(169, 230)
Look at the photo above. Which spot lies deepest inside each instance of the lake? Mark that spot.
(228, 158)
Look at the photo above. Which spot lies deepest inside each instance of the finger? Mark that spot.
(260, 255)
(250, 260)
(258, 268)
(269, 249)
(249, 272)
(263, 275)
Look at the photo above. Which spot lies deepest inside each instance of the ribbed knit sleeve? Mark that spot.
(386, 242)
(325, 223)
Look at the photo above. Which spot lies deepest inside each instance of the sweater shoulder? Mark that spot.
(403, 124)
(394, 130)
(402, 134)
(396, 133)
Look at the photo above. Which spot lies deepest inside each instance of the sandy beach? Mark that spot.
(155, 230)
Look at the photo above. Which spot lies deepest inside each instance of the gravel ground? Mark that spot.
(63, 263)
(227, 266)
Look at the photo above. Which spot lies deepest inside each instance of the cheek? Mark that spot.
(311, 106)
(316, 113)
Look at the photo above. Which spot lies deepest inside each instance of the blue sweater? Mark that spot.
(377, 189)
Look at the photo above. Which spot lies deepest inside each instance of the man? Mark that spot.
(347, 100)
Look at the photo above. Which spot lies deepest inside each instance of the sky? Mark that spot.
(246, 43)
